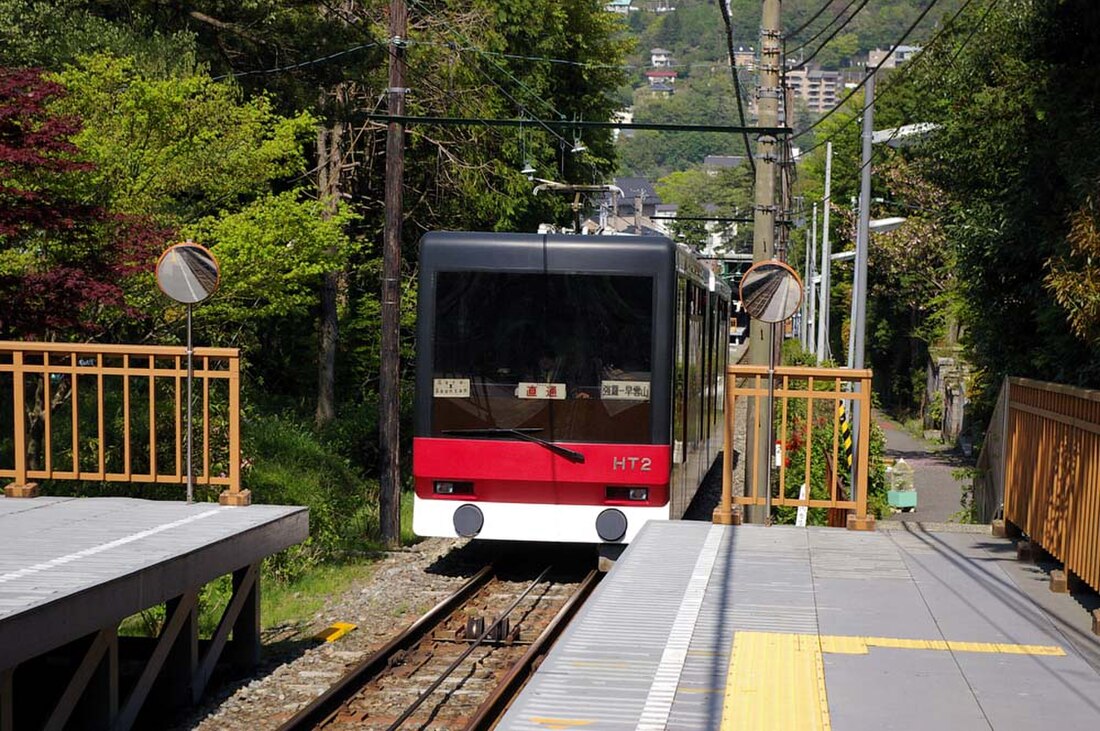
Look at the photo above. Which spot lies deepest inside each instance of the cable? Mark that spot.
(813, 17)
(873, 70)
(539, 98)
(736, 81)
(824, 29)
(291, 67)
(832, 35)
(907, 69)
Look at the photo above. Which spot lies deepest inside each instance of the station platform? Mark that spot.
(72, 568)
(751, 627)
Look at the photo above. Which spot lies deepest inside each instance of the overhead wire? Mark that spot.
(842, 26)
(292, 67)
(907, 69)
(874, 69)
(824, 29)
(728, 22)
(815, 16)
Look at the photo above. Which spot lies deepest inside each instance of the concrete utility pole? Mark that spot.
(768, 94)
(389, 497)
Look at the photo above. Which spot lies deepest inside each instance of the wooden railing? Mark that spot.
(1052, 471)
(809, 433)
(115, 413)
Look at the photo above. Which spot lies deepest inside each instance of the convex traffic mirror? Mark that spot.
(771, 291)
(187, 273)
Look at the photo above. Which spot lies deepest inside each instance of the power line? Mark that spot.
(825, 28)
(539, 98)
(578, 124)
(874, 69)
(815, 16)
(907, 69)
(832, 35)
(970, 35)
(291, 67)
(728, 22)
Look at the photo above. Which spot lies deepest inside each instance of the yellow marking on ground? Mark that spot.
(861, 645)
(560, 724)
(334, 632)
(689, 690)
(776, 681)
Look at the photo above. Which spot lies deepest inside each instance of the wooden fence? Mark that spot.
(807, 422)
(115, 413)
(1051, 468)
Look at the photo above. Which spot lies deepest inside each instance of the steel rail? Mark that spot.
(330, 701)
(489, 712)
(473, 646)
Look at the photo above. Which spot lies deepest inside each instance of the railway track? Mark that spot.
(459, 665)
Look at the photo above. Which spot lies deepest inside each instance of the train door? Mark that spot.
(679, 399)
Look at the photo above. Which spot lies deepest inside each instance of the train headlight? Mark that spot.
(633, 494)
(448, 487)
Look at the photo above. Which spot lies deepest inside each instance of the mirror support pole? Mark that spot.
(190, 425)
(769, 457)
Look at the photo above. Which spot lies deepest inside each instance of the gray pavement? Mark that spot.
(938, 493)
(703, 627)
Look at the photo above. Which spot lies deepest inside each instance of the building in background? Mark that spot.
(891, 59)
(817, 87)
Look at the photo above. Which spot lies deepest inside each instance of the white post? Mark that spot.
(811, 270)
(826, 252)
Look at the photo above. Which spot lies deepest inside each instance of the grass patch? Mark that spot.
(296, 603)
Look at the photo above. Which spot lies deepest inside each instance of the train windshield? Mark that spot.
(564, 356)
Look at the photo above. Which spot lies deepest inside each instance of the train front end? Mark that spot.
(542, 390)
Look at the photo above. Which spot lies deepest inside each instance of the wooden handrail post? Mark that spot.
(235, 495)
(861, 520)
(21, 487)
(725, 514)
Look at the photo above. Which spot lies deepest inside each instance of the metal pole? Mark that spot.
(811, 320)
(826, 262)
(768, 457)
(190, 424)
(389, 498)
(764, 218)
(859, 290)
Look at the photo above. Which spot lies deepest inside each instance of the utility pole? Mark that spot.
(826, 260)
(389, 497)
(768, 94)
(859, 286)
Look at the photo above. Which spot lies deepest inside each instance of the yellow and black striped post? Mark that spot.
(845, 435)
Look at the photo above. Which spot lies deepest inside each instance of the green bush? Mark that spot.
(286, 463)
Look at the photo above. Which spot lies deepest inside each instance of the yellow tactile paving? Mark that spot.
(776, 681)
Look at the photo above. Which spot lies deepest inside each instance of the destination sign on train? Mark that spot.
(545, 391)
(624, 390)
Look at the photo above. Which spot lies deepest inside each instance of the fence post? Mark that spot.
(235, 495)
(861, 520)
(21, 487)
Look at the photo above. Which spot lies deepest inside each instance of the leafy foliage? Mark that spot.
(63, 256)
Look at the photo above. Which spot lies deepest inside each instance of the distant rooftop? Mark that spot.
(723, 161)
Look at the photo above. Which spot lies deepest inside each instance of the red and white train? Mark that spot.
(568, 388)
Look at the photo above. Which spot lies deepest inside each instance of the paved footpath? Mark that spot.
(938, 493)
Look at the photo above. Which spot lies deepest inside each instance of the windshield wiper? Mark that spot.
(523, 433)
